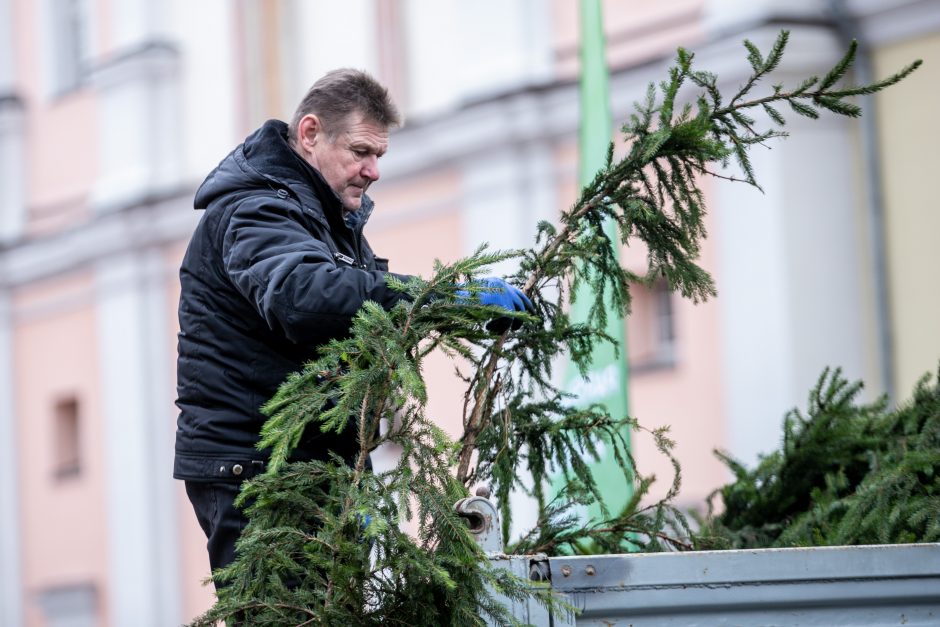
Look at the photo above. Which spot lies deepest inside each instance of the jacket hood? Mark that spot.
(266, 161)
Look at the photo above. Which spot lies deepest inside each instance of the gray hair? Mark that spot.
(341, 92)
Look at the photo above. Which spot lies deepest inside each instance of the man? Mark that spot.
(278, 266)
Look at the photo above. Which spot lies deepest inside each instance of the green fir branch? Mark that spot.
(847, 473)
(325, 543)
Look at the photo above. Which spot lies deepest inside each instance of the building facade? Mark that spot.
(111, 113)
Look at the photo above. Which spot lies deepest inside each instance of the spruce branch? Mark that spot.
(677, 150)
(846, 473)
(325, 544)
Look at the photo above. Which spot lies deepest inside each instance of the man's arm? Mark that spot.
(291, 277)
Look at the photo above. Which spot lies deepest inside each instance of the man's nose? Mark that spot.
(370, 168)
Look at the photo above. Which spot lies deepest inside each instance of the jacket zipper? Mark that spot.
(357, 243)
(354, 246)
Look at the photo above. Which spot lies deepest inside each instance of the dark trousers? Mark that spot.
(214, 503)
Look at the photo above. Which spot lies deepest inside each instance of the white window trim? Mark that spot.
(11, 607)
(12, 169)
(52, 85)
(7, 67)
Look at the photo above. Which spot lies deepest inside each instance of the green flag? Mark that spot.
(606, 382)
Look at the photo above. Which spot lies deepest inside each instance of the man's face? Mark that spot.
(350, 163)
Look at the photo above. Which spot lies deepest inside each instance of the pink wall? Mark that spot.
(412, 240)
(63, 521)
(61, 134)
(688, 398)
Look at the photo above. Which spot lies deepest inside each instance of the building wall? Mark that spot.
(63, 509)
(213, 92)
(637, 32)
(11, 220)
(908, 133)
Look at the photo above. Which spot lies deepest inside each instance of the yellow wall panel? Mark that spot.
(909, 128)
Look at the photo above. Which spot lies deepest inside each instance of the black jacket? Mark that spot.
(271, 273)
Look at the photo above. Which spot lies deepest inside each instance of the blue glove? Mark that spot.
(501, 294)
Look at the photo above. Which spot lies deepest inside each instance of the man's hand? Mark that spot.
(501, 294)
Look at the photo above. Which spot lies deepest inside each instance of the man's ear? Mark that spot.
(309, 132)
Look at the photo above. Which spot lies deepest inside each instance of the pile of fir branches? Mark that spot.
(325, 543)
(846, 473)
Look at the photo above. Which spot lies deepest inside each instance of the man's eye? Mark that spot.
(361, 153)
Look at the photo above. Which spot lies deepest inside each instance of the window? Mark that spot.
(651, 336)
(67, 458)
(68, 21)
(665, 326)
(70, 606)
